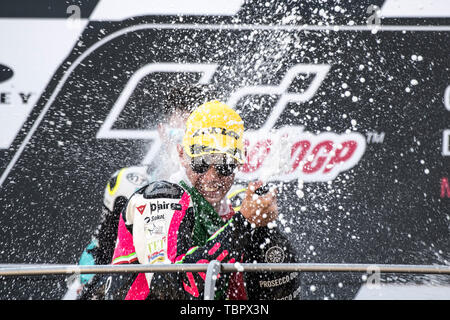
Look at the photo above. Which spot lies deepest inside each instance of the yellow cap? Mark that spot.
(214, 127)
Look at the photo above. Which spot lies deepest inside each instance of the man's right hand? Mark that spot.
(259, 210)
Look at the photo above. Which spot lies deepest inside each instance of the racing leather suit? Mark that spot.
(165, 222)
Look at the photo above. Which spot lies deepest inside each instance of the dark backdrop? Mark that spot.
(388, 208)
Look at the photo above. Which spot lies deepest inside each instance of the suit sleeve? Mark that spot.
(271, 246)
(115, 286)
(226, 245)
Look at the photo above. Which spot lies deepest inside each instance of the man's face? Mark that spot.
(211, 184)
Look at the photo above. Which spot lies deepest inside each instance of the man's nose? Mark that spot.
(211, 174)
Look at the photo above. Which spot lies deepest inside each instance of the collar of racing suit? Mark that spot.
(207, 220)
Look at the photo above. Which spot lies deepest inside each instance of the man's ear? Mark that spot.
(181, 156)
(161, 131)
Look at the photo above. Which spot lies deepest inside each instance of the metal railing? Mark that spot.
(214, 268)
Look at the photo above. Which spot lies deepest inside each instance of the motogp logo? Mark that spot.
(290, 153)
(283, 154)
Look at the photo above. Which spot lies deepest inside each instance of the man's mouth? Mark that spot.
(213, 193)
(210, 189)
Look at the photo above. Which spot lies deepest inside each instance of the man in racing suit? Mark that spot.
(188, 220)
(124, 182)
